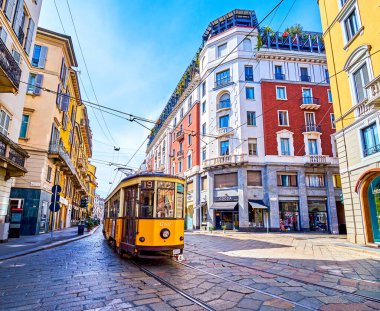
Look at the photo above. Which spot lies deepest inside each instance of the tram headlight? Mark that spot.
(181, 238)
(142, 239)
(165, 233)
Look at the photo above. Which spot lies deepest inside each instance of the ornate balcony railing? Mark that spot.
(371, 150)
(9, 66)
(180, 135)
(311, 128)
(180, 154)
(59, 149)
(305, 78)
(14, 155)
(222, 81)
(224, 104)
(279, 76)
(310, 101)
(225, 131)
(373, 92)
(225, 160)
(316, 159)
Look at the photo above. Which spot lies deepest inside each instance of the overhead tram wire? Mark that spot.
(59, 17)
(87, 71)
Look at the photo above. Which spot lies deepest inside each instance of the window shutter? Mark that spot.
(66, 76)
(58, 101)
(65, 102)
(279, 183)
(17, 21)
(293, 180)
(29, 36)
(9, 9)
(42, 59)
(38, 84)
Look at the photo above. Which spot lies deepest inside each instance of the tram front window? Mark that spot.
(146, 203)
(165, 203)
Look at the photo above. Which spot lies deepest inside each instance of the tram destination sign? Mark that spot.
(227, 198)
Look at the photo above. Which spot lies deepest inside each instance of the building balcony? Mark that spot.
(316, 160)
(10, 72)
(279, 76)
(180, 136)
(226, 160)
(180, 154)
(223, 82)
(12, 157)
(225, 131)
(373, 92)
(305, 78)
(223, 105)
(310, 103)
(371, 150)
(311, 128)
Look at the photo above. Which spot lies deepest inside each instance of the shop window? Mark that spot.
(337, 181)
(317, 216)
(254, 178)
(228, 180)
(289, 216)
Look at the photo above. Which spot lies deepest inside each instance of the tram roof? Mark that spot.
(150, 174)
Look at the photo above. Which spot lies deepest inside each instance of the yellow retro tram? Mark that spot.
(144, 215)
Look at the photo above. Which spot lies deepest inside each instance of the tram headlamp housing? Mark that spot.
(142, 239)
(165, 233)
(181, 238)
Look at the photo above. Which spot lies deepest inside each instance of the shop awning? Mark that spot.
(257, 204)
(225, 206)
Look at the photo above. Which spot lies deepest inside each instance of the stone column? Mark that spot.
(271, 191)
(243, 198)
(331, 204)
(210, 200)
(303, 207)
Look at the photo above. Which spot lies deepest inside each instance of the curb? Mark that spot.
(48, 246)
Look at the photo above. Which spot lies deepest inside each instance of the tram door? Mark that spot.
(130, 223)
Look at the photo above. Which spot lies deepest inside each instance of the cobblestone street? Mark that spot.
(225, 272)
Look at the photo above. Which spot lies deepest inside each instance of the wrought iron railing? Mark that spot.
(9, 65)
(180, 135)
(3, 148)
(311, 128)
(310, 101)
(222, 81)
(224, 104)
(371, 150)
(225, 160)
(16, 157)
(279, 76)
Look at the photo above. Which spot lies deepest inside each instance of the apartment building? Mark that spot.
(56, 133)
(267, 155)
(18, 20)
(352, 39)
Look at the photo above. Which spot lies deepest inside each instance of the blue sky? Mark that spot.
(136, 51)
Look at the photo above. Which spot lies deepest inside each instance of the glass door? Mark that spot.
(374, 206)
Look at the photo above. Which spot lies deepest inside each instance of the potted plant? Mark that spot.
(211, 228)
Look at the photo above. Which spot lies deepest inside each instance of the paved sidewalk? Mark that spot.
(33, 243)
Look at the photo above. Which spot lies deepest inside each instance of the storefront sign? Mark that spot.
(35, 184)
(227, 198)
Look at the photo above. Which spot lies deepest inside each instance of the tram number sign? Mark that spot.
(165, 185)
(147, 184)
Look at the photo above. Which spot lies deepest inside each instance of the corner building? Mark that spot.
(352, 39)
(55, 131)
(18, 20)
(267, 157)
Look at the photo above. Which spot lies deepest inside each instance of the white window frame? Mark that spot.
(218, 54)
(342, 19)
(287, 117)
(329, 96)
(278, 87)
(254, 95)
(285, 134)
(3, 129)
(331, 119)
(250, 142)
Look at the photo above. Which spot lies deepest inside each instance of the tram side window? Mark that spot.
(146, 203)
(165, 200)
(180, 201)
(130, 200)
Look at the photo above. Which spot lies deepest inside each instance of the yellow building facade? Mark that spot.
(56, 133)
(92, 188)
(352, 40)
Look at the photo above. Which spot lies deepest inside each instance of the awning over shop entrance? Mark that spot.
(257, 204)
(224, 206)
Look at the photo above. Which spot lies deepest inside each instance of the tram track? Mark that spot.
(340, 291)
(204, 304)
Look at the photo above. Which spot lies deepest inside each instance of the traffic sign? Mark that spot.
(56, 189)
(55, 198)
(56, 209)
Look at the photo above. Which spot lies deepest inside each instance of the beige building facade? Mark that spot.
(18, 20)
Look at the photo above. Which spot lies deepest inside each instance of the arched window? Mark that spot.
(224, 101)
(247, 46)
